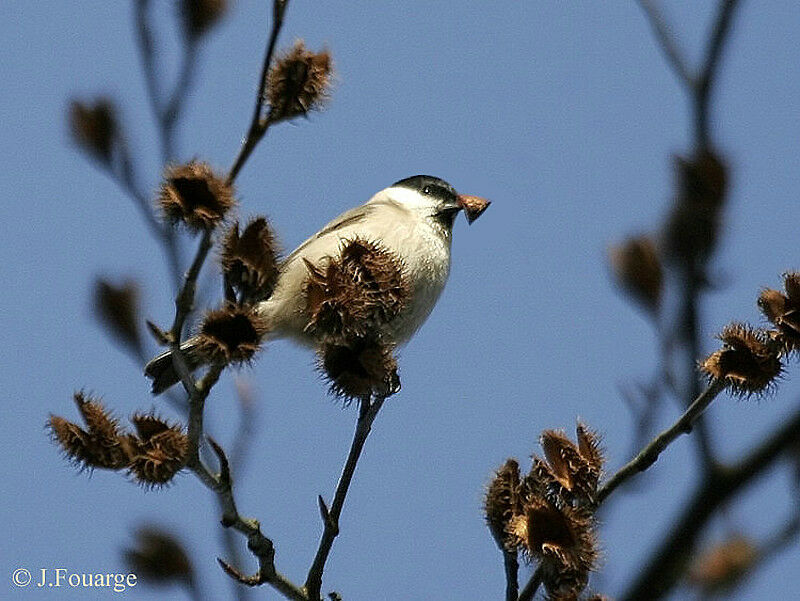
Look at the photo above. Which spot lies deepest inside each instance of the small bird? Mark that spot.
(412, 220)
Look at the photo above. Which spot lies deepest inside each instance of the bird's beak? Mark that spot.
(473, 206)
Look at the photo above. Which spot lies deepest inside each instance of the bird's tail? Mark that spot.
(162, 371)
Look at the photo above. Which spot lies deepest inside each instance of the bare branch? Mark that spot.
(261, 546)
(650, 453)
(367, 413)
(259, 125)
(532, 586)
(667, 41)
(667, 564)
(511, 564)
(705, 82)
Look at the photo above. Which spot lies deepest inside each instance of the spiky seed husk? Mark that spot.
(360, 369)
(589, 447)
(298, 82)
(101, 445)
(356, 293)
(503, 502)
(250, 260)
(158, 557)
(561, 539)
(118, 308)
(749, 361)
(94, 127)
(149, 424)
(572, 471)
(637, 267)
(783, 311)
(722, 567)
(232, 334)
(199, 16)
(693, 225)
(193, 194)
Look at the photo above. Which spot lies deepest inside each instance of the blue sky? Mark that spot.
(564, 114)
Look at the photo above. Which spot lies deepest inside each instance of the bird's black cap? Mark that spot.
(428, 184)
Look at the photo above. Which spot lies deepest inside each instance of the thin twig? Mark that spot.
(667, 41)
(259, 125)
(650, 453)
(368, 410)
(147, 54)
(532, 586)
(705, 82)
(511, 564)
(261, 546)
(690, 331)
(170, 114)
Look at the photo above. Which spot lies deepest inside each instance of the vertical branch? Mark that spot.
(532, 586)
(259, 125)
(511, 565)
(705, 82)
(368, 410)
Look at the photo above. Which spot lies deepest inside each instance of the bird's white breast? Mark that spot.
(422, 244)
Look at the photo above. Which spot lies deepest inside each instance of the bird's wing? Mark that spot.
(347, 218)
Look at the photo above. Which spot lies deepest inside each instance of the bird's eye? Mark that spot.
(426, 190)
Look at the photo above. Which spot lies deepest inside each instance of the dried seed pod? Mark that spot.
(473, 206)
(783, 311)
(722, 567)
(159, 558)
(749, 361)
(94, 127)
(561, 539)
(101, 445)
(360, 369)
(693, 225)
(356, 294)
(194, 195)
(572, 472)
(118, 308)
(199, 16)
(298, 82)
(232, 334)
(502, 502)
(637, 268)
(250, 261)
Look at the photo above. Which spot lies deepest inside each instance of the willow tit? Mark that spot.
(413, 219)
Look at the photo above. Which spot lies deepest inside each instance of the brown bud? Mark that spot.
(637, 267)
(118, 308)
(298, 82)
(159, 558)
(194, 195)
(503, 502)
(94, 127)
(250, 261)
(749, 361)
(693, 225)
(232, 334)
(783, 310)
(201, 15)
(356, 294)
(722, 567)
(359, 370)
(101, 445)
